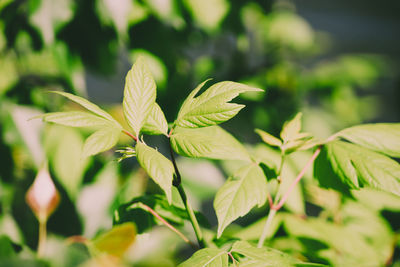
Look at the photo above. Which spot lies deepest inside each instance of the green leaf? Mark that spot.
(100, 141)
(240, 193)
(207, 257)
(268, 138)
(89, 106)
(156, 123)
(139, 95)
(360, 167)
(380, 137)
(211, 107)
(116, 241)
(75, 119)
(158, 167)
(209, 142)
(259, 257)
(291, 128)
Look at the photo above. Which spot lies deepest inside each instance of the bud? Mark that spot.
(42, 197)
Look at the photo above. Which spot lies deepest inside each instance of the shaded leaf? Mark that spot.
(268, 138)
(100, 141)
(207, 257)
(211, 107)
(89, 106)
(209, 142)
(291, 128)
(380, 137)
(116, 241)
(156, 123)
(359, 167)
(75, 119)
(158, 167)
(139, 95)
(240, 193)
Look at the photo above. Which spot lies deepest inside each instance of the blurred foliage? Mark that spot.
(58, 45)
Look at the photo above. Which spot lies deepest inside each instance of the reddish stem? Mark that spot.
(167, 224)
(130, 135)
(297, 180)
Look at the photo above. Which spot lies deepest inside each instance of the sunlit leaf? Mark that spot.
(209, 142)
(116, 241)
(291, 128)
(211, 107)
(268, 138)
(259, 257)
(89, 106)
(207, 257)
(75, 119)
(139, 95)
(240, 193)
(156, 122)
(159, 168)
(380, 137)
(100, 141)
(359, 167)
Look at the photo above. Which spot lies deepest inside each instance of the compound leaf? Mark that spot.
(139, 95)
(207, 257)
(211, 107)
(89, 106)
(240, 193)
(75, 119)
(359, 167)
(380, 137)
(158, 167)
(156, 123)
(209, 142)
(100, 141)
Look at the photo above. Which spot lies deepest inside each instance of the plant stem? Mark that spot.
(298, 178)
(192, 217)
(42, 238)
(274, 208)
(155, 214)
(130, 135)
(264, 233)
(177, 182)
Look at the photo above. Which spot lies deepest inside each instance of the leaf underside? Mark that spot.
(100, 141)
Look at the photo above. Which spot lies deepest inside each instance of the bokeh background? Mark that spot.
(338, 62)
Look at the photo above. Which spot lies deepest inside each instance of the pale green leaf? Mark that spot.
(380, 137)
(211, 107)
(75, 119)
(89, 106)
(139, 95)
(156, 123)
(158, 167)
(261, 257)
(116, 241)
(100, 141)
(209, 142)
(207, 257)
(291, 128)
(360, 167)
(240, 193)
(268, 138)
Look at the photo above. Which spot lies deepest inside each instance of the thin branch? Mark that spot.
(267, 225)
(155, 214)
(298, 178)
(130, 135)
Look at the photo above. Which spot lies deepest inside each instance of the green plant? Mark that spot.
(353, 158)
